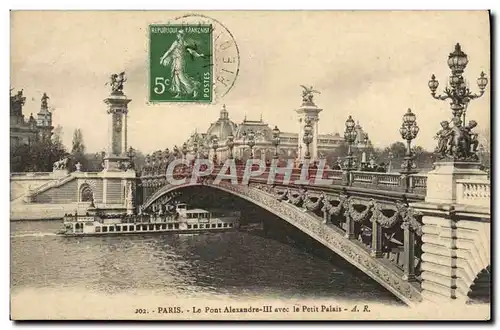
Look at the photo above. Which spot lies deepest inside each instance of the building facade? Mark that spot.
(26, 131)
(290, 145)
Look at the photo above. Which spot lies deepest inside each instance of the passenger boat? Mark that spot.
(183, 220)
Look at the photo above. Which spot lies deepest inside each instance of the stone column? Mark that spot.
(308, 110)
(326, 217)
(376, 250)
(314, 149)
(442, 181)
(124, 137)
(129, 198)
(300, 150)
(117, 104)
(349, 227)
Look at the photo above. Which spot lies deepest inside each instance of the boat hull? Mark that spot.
(173, 231)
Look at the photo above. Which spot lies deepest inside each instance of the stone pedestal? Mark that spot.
(59, 173)
(116, 153)
(310, 111)
(442, 181)
(455, 250)
(116, 194)
(129, 203)
(455, 236)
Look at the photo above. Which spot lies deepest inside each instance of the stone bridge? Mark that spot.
(379, 222)
(422, 237)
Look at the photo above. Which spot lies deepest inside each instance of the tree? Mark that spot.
(78, 150)
(423, 158)
(38, 156)
(333, 155)
(484, 149)
(57, 135)
(77, 144)
(398, 149)
(139, 160)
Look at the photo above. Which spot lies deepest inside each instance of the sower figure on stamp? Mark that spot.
(175, 56)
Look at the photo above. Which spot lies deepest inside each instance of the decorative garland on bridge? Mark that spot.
(308, 203)
(283, 195)
(359, 216)
(382, 219)
(297, 198)
(334, 210)
(409, 216)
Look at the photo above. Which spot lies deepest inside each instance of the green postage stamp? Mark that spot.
(180, 63)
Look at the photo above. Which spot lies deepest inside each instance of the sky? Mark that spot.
(371, 65)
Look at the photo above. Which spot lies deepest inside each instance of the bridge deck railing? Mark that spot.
(30, 174)
(474, 192)
(392, 182)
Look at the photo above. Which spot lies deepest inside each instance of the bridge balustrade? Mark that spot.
(30, 174)
(393, 182)
(473, 192)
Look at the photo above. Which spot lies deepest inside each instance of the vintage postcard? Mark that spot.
(250, 165)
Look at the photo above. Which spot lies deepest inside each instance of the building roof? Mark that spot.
(259, 127)
(223, 127)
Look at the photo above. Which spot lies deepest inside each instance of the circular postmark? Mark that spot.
(225, 56)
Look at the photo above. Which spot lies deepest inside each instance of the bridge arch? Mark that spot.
(480, 290)
(314, 226)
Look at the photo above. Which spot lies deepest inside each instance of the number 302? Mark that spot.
(160, 85)
(140, 311)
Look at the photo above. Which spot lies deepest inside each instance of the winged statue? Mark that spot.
(308, 93)
(116, 82)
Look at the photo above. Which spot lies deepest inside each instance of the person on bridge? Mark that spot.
(381, 168)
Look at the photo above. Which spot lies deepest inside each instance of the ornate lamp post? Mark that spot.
(195, 149)
(339, 163)
(457, 91)
(131, 156)
(103, 156)
(307, 138)
(215, 145)
(276, 141)
(230, 145)
(409, 131)
(349, 137)
(251, 141)
(390, 156)
(184, 149)
(372, 162)
(365, 140)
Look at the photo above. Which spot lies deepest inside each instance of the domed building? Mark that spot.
(362, 141)
(223, 127)
(256, 133)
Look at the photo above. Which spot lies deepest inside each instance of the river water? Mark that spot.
(231, 263)
(216, 265)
